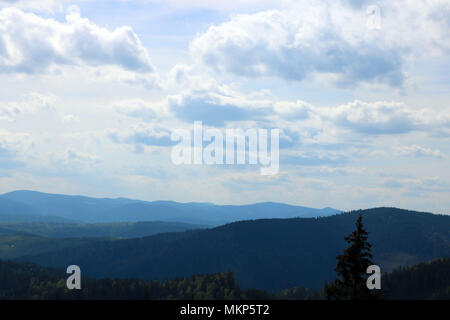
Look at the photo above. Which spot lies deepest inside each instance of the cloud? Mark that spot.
(275, 43)
(143, 134)
(300, 121)
(375, 118)
(314, 159)
(31, 103)
(211, 109)
(329, 39)
(12, 147)
(7, 160)
(392, 184)
(418, 151)
(32, 44)
(16, 143)
(38, 5)
(138, 108)
(70, 118)
(72, 155)
(219, 5)
(383, 117)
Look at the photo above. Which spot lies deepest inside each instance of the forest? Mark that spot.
(425, 281)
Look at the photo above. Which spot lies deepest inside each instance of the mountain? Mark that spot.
(96, 210)
(75, 208)
(13, 211)
(269, 254)
(77, 230)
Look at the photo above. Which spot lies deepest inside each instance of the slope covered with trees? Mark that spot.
(96, 230)
(28, 281)
(428, 280)
(270, 254)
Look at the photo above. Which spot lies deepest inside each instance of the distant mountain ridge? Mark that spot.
(43, 207)
(12, 211)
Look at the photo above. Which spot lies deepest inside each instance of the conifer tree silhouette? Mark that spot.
(351, 269)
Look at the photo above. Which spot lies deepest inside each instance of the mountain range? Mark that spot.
(32, 206)
(269, 254)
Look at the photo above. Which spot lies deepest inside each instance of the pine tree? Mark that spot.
(351, 268)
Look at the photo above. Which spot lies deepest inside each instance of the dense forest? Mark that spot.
(270, 254)
(424, 281)
(429, 280)
(94, 230)
(28, 281)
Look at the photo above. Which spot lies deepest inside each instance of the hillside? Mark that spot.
(14, 211)
(429, 280)
(98, 230)
(96, 210)
(28, 281)
(269, 254)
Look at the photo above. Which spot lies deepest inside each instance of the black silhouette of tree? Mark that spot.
(351, 269)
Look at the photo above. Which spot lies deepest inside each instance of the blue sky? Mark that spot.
(90, 91)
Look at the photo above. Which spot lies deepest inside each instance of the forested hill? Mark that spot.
(429, 280)
(265, 254)
(94, 230)
(28, 281)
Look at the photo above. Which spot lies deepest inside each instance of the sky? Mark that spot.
(90, 92)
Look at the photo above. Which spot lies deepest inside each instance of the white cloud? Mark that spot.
(221, 106)
(16, 144)
(69, 118)
(384, 117)
(31, 103)
(32, 44)
(220, 5)
(418, 151)
(142, 134)
(332, 39)
(38, 5)
(72, 155)
(139, 108)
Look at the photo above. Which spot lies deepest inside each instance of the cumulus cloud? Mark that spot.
(31, 103)
(274, 43)
(142, 134)
(418, 151)
(212, 109)
(331, 40)
(71, 155)
(138, 108)
(32, 44)
(383, 117)
(221, 106)
(374, 118)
